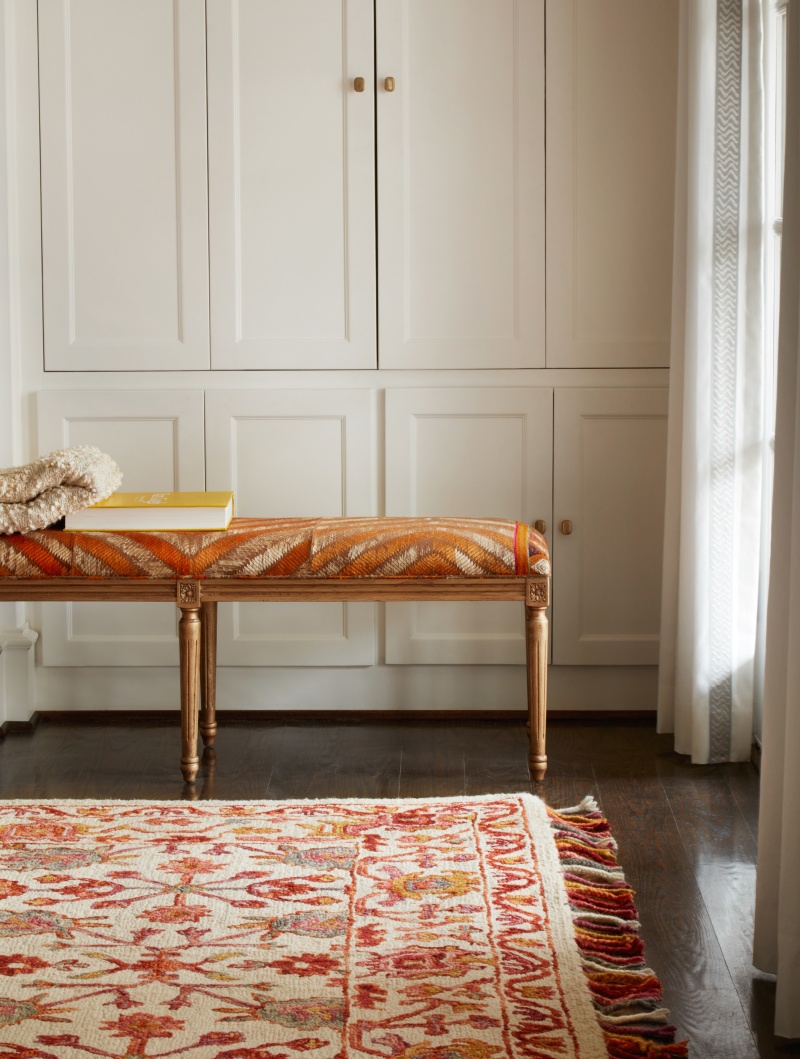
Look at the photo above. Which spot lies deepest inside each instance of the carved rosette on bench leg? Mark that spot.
(189, 635)
(208, 674)
(537, 597)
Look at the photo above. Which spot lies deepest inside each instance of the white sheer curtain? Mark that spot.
(714, 460)
(777, 926)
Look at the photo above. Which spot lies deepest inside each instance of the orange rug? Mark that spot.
(459, 928)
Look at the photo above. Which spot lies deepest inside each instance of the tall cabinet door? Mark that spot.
(124, 204)
(291, 183)
(611, 116)
(609, 484)
(460, 105)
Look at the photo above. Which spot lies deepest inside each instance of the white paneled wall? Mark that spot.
(300, 453)
(466, 452)
(157, 438)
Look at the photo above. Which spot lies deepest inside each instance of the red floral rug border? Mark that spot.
(625, 992)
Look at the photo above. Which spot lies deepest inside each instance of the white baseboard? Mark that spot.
(594, 688)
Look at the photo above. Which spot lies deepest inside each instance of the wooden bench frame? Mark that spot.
(197, 629)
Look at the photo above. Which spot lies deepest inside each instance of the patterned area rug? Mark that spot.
(459, 928)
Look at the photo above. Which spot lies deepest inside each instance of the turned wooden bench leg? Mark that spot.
(536, 630)
(208, 674)
(189, 636)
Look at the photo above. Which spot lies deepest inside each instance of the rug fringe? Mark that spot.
(625, 992)
(586, 805)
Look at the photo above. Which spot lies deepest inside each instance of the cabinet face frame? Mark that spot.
(430, 221)
(171, 197)
(236, 151)
(465, 633)
(146, 634)
(607, 570)
(332, 435)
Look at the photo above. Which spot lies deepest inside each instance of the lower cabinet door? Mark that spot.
(156, 437)
(288, 453)
(481, 453)
(608, 508)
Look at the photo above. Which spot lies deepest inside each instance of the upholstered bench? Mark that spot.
(293, 559)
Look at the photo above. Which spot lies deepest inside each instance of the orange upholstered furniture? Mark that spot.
(290, 559)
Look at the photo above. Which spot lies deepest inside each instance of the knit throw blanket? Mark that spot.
(42, 492)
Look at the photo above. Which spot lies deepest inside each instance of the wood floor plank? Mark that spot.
(495, 759)
(369, 762)
(722, 849)
(744, 784)
(306, 760)
(677, 929)
(432, 763)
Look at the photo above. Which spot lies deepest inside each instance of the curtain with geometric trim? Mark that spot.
(715, 450)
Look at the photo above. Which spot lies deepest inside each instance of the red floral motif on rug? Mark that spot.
(465, 928)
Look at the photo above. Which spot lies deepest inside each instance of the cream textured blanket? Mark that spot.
(40, 493)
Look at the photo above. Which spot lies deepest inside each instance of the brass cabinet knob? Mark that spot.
(359, 84)
(566, 527)
(540, 525)
(388, 84)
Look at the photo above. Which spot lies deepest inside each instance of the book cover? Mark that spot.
(156, 511)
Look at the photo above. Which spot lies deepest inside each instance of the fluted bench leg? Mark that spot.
(208, 674)
(536, 650)
(189, 636)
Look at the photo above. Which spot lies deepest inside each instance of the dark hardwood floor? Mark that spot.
(687, 834)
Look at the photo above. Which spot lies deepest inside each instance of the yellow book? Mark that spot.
(155, 511)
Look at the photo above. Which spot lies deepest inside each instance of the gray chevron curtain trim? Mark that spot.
(724, 330)
(716, 450)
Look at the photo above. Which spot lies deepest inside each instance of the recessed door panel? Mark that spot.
(461, 183)
(156, 437)
(477, 454)
(293, 453)
(292, 184)
(124, 203)
(612, 96)
(610, 481)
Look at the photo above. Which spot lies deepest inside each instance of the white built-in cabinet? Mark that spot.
(609, 482)
(286, 226)
(594, 457)
(122, 114)
(157, 439)
(460, 183)
(291, 157)
(222, 192)
(474, 452)
(300, 453)
(612, 72)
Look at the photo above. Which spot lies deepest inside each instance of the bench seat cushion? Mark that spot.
(294, 547)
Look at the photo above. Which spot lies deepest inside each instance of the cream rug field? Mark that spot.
(459, 928)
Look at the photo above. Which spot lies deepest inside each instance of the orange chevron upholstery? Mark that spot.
(291, 547)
